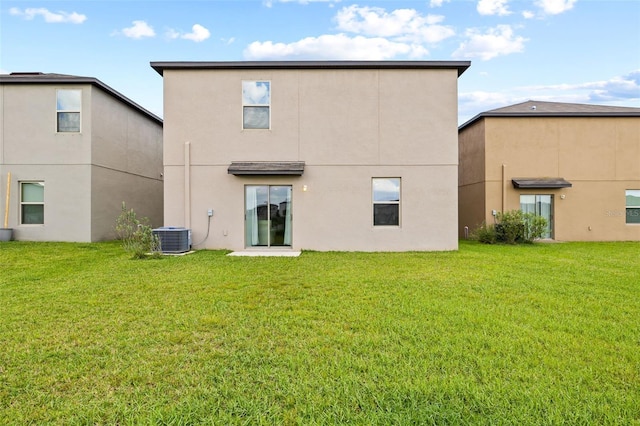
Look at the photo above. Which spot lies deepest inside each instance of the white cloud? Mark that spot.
(139, 29)
(555, 7)
(472, 103)
(619, 90)
(527, 14)
(337, 46)
(172, 34)
(198, 33)
(269, 3)
(437, 3)
(378, 35)
(493, 7)
(49, 17)
(495, 42)
(401, 24)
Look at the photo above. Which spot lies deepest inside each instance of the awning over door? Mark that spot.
(261, 168)
(541, 183)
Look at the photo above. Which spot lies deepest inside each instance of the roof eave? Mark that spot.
(461, 66)
(546, 115)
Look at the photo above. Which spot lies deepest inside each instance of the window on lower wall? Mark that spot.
(633, 205)
(256, 104)
(68, 107)
(31, 203)
(386, 201)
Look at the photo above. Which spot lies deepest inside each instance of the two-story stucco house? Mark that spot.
(76, 150)
(328, 155)
(577, 165)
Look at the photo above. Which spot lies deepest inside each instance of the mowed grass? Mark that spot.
(535, 334)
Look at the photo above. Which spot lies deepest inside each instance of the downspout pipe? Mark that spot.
(187, 185)
(504, 186)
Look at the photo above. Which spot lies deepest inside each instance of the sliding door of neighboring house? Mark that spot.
(267, 220)
(542, 205)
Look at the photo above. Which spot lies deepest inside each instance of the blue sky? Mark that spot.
(583, 51)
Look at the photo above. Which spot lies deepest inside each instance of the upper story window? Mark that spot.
(68, 107)
(386, 201)
(31, 203)
(633, 205)
(256, 104)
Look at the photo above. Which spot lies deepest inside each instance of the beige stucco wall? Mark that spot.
(116, 157)
(471, 179)
(600, 156)
(348, 126)
(127, 165)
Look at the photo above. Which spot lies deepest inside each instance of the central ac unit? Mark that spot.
(173, 239)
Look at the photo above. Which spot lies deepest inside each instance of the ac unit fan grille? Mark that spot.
(173, 240)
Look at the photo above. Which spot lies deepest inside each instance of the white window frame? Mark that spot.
(30, 203)
(73, 111)
(375, 202)
(256, 105)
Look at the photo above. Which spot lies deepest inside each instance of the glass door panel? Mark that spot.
(543, 208)
(541, 205)
(268, 215)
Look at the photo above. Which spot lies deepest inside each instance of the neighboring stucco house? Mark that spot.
(76, 149)
(316, 155)
(577, 165)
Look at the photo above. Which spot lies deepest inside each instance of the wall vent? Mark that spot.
(173, 239)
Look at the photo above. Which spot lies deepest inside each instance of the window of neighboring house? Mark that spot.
(32, 203)
(386, 201)
(68, 107)
(256, 104)
(633, 205)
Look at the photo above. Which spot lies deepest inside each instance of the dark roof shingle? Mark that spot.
(555, 109)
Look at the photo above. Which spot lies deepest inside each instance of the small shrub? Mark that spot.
(486, 234)
(535, 227)
(512, 227)
(137, 234)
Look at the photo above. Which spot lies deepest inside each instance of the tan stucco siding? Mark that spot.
(126, 165)
(471, 154)
(348, 126)
(124, 139)
(417, 113)
(586, 148)
(67, 202)
(600, 156)
(29, 127)
(471, 207)
(116, 156)
(335, 212)
(111, 188)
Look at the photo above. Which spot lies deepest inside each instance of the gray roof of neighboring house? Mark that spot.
(50, 78)
(461, 66)
(555, 109)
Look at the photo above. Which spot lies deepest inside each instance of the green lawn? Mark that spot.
(534, 334)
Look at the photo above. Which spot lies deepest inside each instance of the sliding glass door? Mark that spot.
(541, 205)
(267, 220)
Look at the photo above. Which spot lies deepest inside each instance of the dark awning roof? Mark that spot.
(257, 168)
(540, 183)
